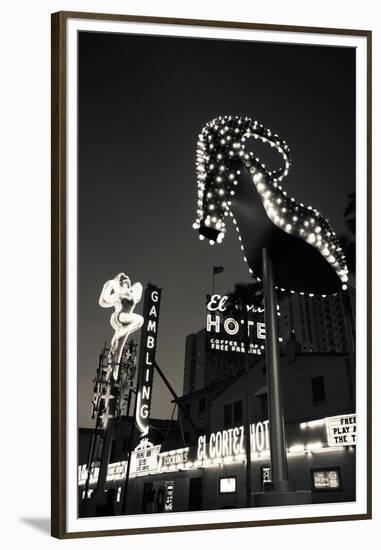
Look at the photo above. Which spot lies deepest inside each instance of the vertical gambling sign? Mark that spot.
(148, 342)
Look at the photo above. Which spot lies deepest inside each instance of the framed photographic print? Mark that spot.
(211, 306)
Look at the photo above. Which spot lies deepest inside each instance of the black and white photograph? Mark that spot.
(215, 286)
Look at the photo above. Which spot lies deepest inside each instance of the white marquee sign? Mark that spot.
(145, 458)
(341, 430)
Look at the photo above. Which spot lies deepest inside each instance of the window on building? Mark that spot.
(318, 389)
(237, 412)
(228, 417)
(233, 414)
(202, 405)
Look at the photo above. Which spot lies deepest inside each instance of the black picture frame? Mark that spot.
(59, 273)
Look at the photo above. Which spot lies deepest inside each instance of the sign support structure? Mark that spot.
(279, 470)
(125, 489)
(280, 491)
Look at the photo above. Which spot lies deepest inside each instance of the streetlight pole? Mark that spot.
(279, 471)
(240, 299)
(247, 418)
(281, 491)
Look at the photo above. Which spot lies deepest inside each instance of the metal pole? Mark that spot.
(124, 503)
(91, 454)
(95, 432)
(105, 458)
(247, 416)
(279, 472)
(166, 382)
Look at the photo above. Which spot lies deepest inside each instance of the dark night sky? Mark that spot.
(142, 102)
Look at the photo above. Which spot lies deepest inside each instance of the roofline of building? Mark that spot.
(222, 382)
(228, 381)
(155, 421)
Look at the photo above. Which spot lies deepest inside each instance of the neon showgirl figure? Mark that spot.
(120, 294)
